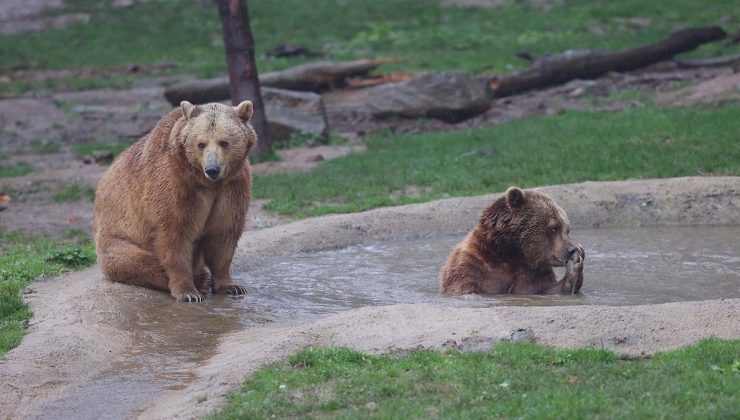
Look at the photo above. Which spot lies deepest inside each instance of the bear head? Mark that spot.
(216, 138)
(527, 228)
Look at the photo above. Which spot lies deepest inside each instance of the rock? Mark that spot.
(99, 156)
(102, 156)
(291, 112)
(315, 158)
(450, 345)
(522, 334)
(450, 96)
(476, 343)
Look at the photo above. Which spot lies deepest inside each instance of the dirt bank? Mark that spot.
(83, 325)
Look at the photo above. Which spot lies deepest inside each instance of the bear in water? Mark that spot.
(513, 249)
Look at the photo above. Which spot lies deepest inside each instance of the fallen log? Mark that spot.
(727, 60)
(592, 64)
(305, 77)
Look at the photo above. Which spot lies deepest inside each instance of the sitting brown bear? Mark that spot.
(176, 201)
(517, 241)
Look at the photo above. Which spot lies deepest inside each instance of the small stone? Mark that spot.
(577, 92)
(102, 156)
(316, 158)
(522, 334)
(450, 344)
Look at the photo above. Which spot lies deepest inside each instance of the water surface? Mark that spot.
(627, 266)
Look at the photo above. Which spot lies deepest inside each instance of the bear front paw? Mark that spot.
(192, 296)
(577, 259)
(232, 289)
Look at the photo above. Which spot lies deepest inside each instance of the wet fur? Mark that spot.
(513, 249)
(159, 221)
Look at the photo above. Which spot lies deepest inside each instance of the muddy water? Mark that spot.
(623, 267)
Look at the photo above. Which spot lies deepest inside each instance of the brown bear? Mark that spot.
(176, 201)
(513, 249)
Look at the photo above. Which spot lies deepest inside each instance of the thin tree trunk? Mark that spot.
(243, 81)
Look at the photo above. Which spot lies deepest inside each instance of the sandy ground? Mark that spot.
(77, 330)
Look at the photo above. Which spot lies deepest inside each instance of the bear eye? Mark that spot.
(223, 143)
(554, 229)
(201, 146)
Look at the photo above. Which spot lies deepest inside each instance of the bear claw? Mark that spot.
(232, 289)
(190, 297)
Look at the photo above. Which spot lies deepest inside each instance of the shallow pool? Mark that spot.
(623, 267)
(627, 266)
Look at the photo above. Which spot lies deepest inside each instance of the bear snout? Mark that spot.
(213, 172)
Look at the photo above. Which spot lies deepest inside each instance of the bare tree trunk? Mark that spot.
(243, 81)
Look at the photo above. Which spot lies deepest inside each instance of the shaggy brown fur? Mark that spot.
(176, 201)
(517, 241)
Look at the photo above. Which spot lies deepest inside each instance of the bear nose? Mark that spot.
(213, 172)
(571, 250)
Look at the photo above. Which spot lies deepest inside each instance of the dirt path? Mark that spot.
(97, 348)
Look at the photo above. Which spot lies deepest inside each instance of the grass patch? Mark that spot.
(74, 192)
(24, 259)
(572, 147)
(17, 169)
(45, 147)
(521, 380)
(417, 35)
(89, 148)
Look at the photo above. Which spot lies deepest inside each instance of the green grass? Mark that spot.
(17, 169)
(418, 35)
(74, 192)
(45, 147)
(521, 380)
(89, 148)
(24, 259)
(572, 147)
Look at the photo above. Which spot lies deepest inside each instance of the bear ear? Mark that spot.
(244, 111)
(514, 197)
(188, 110)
